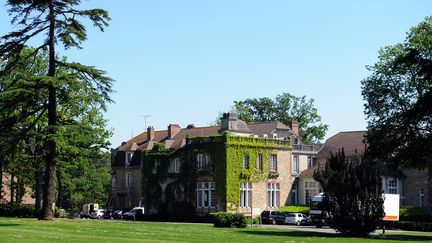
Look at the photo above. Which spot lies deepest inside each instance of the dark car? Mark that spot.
(273, 217)
(108, 214)
(306, 221)
(118, 214)
(136, 213)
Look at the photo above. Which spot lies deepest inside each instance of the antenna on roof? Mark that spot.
(145, 120)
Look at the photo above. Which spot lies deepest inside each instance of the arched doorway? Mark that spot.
(154, 199)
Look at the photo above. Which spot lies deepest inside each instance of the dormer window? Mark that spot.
(265, 136)
(128, 158)
(275, 135)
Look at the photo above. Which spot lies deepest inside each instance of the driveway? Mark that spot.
(301, 228)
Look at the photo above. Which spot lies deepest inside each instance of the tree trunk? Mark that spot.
(50, 172)
(39, 191)
(20, 191)
(59, 190)
(12, 187)
(1, 180)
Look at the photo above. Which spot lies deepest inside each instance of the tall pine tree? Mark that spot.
(58, 21)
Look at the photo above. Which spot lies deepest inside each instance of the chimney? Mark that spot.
(229, 122)
(173, 129)
(150, 133)
(190, 126)
(295, 127)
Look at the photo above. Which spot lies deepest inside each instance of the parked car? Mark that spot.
(97, 213)
(108, 214)
(136, 213)
(118, 214)
(273, 217)
(295, 218)
(307, 221)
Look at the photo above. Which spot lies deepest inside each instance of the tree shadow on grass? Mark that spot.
(402, 237)
(392, 237)
(292, 233)
(7, 224)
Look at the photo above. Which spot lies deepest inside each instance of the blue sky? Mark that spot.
(184, 61)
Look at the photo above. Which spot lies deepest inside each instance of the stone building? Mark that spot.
(410, 184)
(236, 166)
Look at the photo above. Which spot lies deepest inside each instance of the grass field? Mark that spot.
(67, 230)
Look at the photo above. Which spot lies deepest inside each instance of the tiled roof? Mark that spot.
(140, 141)
(352, 143)
(309, 172)
(267, 127)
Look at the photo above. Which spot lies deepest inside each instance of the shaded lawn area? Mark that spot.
(66, 230)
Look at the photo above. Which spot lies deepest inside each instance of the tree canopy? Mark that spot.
(398, 97)
(284, 108)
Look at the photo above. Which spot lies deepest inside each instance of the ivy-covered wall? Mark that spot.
(236, 148)
(226, 154)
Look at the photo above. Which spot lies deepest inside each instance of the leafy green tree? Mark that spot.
(81, 136)
(352, 194)
(398, 97)
(59, 21)
(284, 108)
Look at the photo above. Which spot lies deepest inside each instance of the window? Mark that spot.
(156, 166)
(206, 195)
(128, 179)
(311, 190)
(245, 194)
(294, 194)
(275, 135)
(265, 136)
(295, 165)
(273, 162)
(245, 164)
(259, 162)
(273, 194)
(174, 166)
(311, 161)
(392, 186)
(128, 158)
(203, 161)
(421, 197)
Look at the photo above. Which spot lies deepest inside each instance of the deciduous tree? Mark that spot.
(398, 97)
(284, 108)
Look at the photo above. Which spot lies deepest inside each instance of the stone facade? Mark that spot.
(416, 191)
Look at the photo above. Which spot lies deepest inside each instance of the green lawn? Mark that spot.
(66, 230)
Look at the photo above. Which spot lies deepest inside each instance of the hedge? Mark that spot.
(414, 226)
(295, 209)
(415, 214)
(229, 220)
(15, 210)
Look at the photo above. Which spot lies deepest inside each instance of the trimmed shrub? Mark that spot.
(304, 209)
(415, 214)
(228, 220)
(414, 226)
(16, 210)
